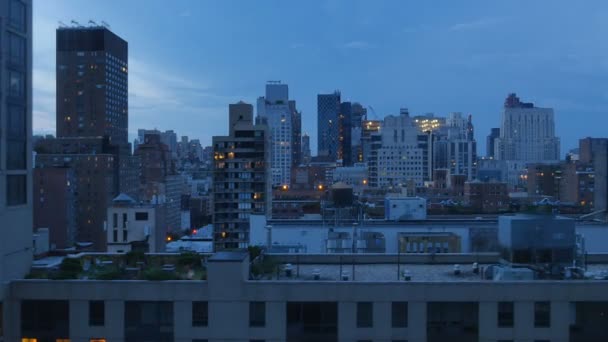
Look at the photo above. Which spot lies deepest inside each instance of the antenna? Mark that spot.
(104, 24)
(75, 23)
(93, 23)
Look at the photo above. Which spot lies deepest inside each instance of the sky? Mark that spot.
(189, 59)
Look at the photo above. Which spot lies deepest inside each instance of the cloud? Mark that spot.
(478, 24)
(357, 45)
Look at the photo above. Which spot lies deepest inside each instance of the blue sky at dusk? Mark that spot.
(189, 59)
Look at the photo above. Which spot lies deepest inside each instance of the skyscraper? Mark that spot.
(328, 110)
(280, 114)
(345, 133)
(527, 133)
(396, 157)
(456, 151)
(490, 142)
(92, 125)
(296, 135)
(241, 177)
(92, 83)
(305, 148)
(15, 140)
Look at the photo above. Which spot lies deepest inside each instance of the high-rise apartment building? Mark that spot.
(345, 133)
(527, 133)
(306, 149)
(284, 126)
(15, 139)
(241, 177)
(456, 149)
(92, 83)
(92, 125)
(396, 157)
(296, 135)
(328, 111)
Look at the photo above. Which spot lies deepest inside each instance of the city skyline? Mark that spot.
(390, 55)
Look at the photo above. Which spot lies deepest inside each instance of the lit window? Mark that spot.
(97, 340)
(29, 339)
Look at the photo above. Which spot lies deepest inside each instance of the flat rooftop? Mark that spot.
(389, 272)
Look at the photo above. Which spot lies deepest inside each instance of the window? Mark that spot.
(124, 220)
(97, 313)
(199, 340)
(16, 86)
(15, 190)
(15, 156)
(17, 15)
(141, 216)
(365, 315)
(505, 314)
(125, 234)
(115, 220)
(399, 314)
(16, 46)
(200, 314)
(97, 340)
(115, 235)
(542, 314)
(257, 314)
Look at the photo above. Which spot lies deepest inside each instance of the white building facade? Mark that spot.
(275, 111)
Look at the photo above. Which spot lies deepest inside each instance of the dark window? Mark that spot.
(16, 125)
(542, 314)
(115, 220)
(16, 85)
(125, 234)
(124, 220)
(199, 340)
(115, 233)
(17, 15)
(399, 314)
(15, 155)
(148, 321)
(505, 314)
(256, 340)
(96, 312)
(257, 314)
(141, 216)
(200, 314)
(365, 314)
(16, 45)
(48, 320)
(312, 321)
(15, 190)
(452, 321)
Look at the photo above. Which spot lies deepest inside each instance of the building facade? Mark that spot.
(284, 125)
(229, 306)
(92, 84)
(15, 139)
(527, 133)
(328, 112)
(135, 227)
(241, 177)
(397, 156)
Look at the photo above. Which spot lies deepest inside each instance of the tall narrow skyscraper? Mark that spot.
(15, 140)
(280, 114)
(241, 178)
(328, 110)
